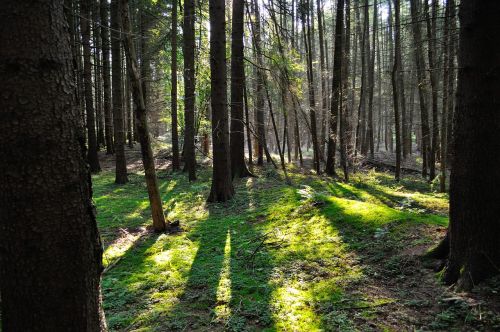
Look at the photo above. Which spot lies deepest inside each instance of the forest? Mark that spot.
(249, 165)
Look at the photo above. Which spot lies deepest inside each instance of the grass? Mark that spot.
(314, 256)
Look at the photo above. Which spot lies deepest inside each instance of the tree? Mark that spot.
(473, 252)
(431, 35)
(116, 69)
(92, 157)
(237, 141)
(395, 86)
(50, 249)
(420, 64)
(189, 86)
(222, 186)
(173, 92)
(108, 115)
(159, 223)
(336, 88)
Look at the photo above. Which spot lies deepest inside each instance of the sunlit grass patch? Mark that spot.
(275, 258)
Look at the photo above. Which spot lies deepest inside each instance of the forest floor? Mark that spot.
(317, 255)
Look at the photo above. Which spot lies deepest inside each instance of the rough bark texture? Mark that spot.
(189, 86)
(92, 157)
(336, 88)
(116, 64)
(50, 250)
(173, 92)
(108, 115)
(222, 186)
(238, 165)
(474, 209)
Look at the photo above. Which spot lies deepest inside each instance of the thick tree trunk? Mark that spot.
(158, 217)
(222, 186)
(474, 210)
(117, 88)
(237, 141)
(50, 250)
(189, 86)
(92, 156)
(173, 92)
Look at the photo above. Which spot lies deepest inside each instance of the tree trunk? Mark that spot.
(474, 210)
(395, 86)
(116, 69)
(50, 249)
(108, 116)
(173, 92)
(222, 186)
(431, 34)
(92, 156)
(336, 88)
(159, 223)
(237, 141)
(189, 87)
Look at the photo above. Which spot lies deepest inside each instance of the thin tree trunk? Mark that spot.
(155, 202)
(116, 69)
(336, 88)
(189, 89)
(108, 115)
(237, 139)
(396, 86)
(92, 156)
(173, 92)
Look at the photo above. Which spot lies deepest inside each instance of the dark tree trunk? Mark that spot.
(336, 88)
(371, 84)
(247, 123)
(173, 92)
(50, 250)
(420, 64)
(189, 86)
(222, 186)
(395, 86)
(474, 210)
(344, 116)
(158, 217)
(116, 68)
(431, 34)
(92, 156)
(446, 101)
(237, 141)
(108, 116)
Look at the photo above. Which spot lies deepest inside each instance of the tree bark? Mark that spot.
(474, 210)
(237, 141)
(395, 86)
(222, 186)
(117, 88)
(189, 87)
(336, 88)
(420, 64)
(50, 249)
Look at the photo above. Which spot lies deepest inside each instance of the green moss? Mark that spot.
(276, 258)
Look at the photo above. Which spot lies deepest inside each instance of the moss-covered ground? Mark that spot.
(317, 255)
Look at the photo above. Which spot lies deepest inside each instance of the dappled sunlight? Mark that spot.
(121, 245)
